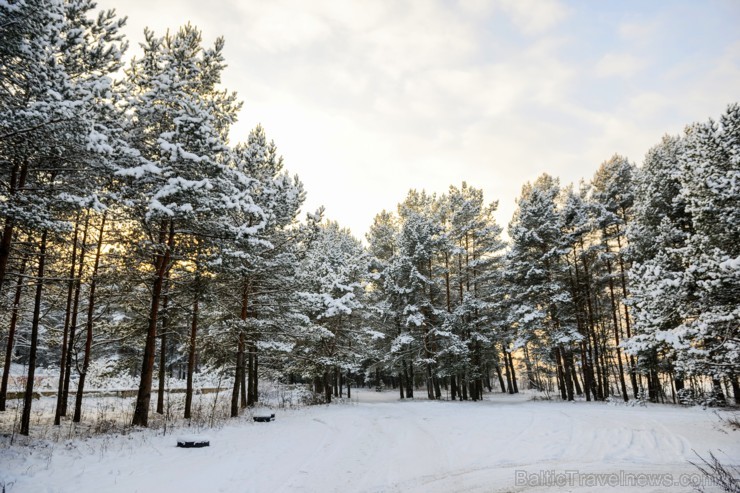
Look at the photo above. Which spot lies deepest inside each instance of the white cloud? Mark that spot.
(270, 29)
(534, 16)
(369, 99)
(638, 31)
(619, 65)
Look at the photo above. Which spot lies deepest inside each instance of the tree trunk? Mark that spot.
(509, 386)
(65, 332)
(250, 375)
(28, 397)
(719, 396)
(591, 331)
(500, 377)
(623, 278)
(141, 412)
(327, 387)
(89, 324)
(163, 345)
(243, 376)
(618, 350)
(255, 377)
(409, 379)
(17, 182)
(588, 377)
(238, 372)
(735, 389)
(528, 365)
(430, 388)
(73, 318)
(561, 374)
(191, 355)
(513, 374)
(11, 335)
(574, 373)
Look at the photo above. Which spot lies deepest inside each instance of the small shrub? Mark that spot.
(724, 476)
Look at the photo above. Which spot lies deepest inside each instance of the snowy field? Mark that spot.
(376, 443)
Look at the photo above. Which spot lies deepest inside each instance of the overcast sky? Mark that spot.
(367, 99)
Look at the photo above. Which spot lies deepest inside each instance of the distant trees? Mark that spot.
(434, 272)
(331, 279)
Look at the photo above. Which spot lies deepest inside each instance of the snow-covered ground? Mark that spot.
(376, 443)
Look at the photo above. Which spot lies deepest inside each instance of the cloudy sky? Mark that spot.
(367, 99)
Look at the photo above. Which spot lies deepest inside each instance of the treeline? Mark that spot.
(134, 232)
(627, 286)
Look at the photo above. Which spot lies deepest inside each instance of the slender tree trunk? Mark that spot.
(588, 377)
(89, 324)
(437, 387)
(591, 331)
(513, 374)
(238, 372)
(500, 377)
(73, 318)
(163, 344)
(65, 333)
(718, 394)
(735, 389)
(509, 386)
(409, 374)
(618, 350)
(250, 376)
(528, 365)
(238, 376)
(574, 373)
(255, 376)
(561, 374)
(141, 412)
(623, 278)
(327, 387)
(243, 384)
(430, 388)
(28, 397)
(241, 374)
(191, 355)
(17, 182)
(11, 335)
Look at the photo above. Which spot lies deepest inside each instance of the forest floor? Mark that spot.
(375, 442)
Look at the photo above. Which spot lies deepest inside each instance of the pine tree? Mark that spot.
(540, 305)
(613, 196)
(331, 277)
(182, 183)
(659, 232)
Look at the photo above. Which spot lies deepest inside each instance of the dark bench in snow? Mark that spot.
(193, 441)
(264, 419)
